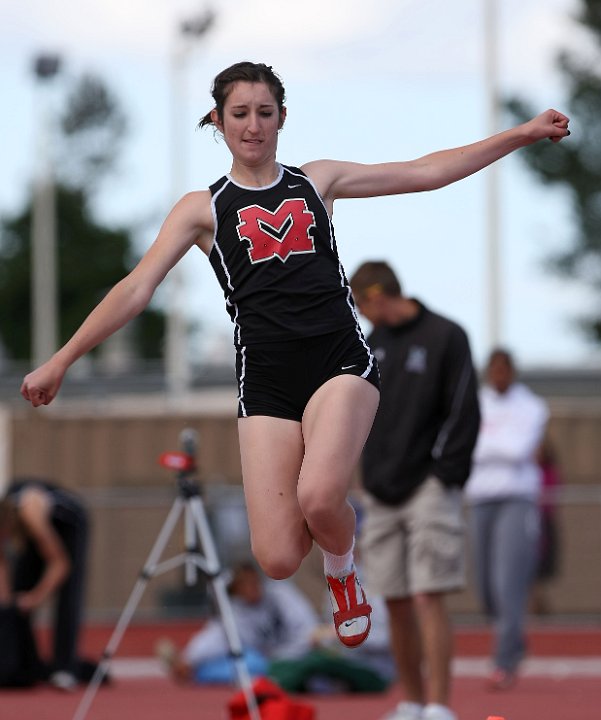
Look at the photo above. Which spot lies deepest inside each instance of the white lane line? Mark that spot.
(550, 667)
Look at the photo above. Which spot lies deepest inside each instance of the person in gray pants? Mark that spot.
(503, 494)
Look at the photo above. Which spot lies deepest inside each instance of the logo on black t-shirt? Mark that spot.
(277, 234)
(417, 359)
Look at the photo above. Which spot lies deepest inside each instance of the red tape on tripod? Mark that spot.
(177, 461)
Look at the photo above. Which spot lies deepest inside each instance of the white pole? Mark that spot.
(493, 268)
(176, 350)
(177, 361)
(44, 284)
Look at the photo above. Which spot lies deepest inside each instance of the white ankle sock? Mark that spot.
(338, 565)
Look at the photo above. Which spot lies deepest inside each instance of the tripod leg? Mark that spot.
(129, 609)
(191, 568)
(218, 583)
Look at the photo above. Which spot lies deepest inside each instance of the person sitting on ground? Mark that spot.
(268, 615)
(274, 620)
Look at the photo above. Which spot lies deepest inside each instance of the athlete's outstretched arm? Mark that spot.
(185, 225)
(350, 180)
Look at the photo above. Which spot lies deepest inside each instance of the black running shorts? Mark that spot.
(278, 378)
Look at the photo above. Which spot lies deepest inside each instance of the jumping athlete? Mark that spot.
(308, 382)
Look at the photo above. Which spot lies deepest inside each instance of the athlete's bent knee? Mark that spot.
(319, 506)
(276, 564)
(278, 568)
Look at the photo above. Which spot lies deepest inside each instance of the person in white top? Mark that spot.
(503, 494)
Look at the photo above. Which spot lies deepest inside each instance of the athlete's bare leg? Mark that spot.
(272, 451)
(296, 477)
(336, 423)
(335, 426)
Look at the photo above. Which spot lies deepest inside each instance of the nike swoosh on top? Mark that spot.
(291, 187)
(348, 367)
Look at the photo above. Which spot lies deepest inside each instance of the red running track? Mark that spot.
(543, 641)
(536, 697)
(160, 699)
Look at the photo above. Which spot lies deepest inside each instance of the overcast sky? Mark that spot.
(384, 80)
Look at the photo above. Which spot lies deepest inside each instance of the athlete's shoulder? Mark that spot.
(193, 212)
(324, 174)
(194, 201)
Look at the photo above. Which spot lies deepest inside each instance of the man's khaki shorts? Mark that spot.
(416, 547)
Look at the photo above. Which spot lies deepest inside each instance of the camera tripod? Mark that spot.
(197, 535)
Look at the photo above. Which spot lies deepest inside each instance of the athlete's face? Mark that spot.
(250, 123)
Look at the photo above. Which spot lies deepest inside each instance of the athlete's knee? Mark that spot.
(319, 504)
(277, 567)
(280, 560)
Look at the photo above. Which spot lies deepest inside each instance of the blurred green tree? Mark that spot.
(91, 256)
(576, 164)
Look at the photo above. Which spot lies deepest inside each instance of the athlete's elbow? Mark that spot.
(135, 296)
(142, 299)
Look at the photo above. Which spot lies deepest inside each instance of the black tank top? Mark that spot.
(275, 256)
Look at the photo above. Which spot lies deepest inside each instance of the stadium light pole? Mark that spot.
(493, 267)
(177, 363)
(44, 282)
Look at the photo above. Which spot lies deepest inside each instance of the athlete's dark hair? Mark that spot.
(375, 275)
(247, 72)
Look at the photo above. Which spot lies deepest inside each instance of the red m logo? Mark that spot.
(277, 234)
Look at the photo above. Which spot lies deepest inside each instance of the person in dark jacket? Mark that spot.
(415, 462)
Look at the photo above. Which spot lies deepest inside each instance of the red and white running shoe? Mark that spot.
(351, 610)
